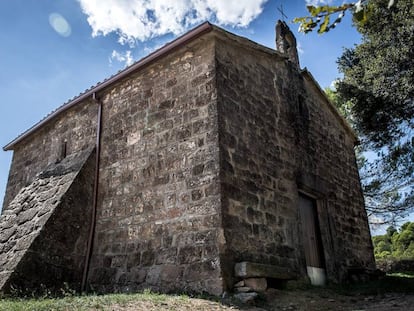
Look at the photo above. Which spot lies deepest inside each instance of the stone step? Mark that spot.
(247, 269)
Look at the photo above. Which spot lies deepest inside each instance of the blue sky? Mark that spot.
(52, 50)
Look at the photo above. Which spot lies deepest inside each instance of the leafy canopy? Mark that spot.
(378, 86)
(395, 244)
(376, 94)
(322, 15)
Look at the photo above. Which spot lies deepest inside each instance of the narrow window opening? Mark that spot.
(63, 150)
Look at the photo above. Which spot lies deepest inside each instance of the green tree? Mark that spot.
(376, 95)
(403, 242)
(395, 244)
(378, 84)
(390, 232)
(323, 15)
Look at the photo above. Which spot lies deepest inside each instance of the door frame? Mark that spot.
(317, 275)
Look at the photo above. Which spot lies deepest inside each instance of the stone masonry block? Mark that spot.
(256, 284)
(247, 270)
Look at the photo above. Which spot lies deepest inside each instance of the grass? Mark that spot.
(146, 299)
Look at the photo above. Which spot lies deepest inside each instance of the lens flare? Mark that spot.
(60, 25)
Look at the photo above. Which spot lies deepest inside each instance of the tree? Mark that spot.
(390, 231)
(377, 96)
(395, 244)
(321, 15)
(378, 85)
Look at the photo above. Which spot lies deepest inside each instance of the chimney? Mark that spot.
(286, 42)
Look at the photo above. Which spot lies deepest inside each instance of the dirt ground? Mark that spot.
(315, 301)
(299, 300)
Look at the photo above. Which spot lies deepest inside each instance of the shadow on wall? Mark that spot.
(37, 241)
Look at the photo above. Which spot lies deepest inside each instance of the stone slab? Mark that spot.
(247, 269)
(256, 284)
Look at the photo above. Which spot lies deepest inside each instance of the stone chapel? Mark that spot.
(212, 160)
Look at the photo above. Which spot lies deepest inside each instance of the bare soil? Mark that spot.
(329, 300)
(300, 300)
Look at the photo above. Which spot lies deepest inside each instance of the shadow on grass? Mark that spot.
(396, 283)
(401, 283)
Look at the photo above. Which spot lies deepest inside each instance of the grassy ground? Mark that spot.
(387, 290)
(90, 302)
(114, 302)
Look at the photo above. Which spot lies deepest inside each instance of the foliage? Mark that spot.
(378, 89)
(321, 15)
(376, 95)
(397, 245)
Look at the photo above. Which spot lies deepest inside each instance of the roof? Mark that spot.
(175, 44)
(180, 41)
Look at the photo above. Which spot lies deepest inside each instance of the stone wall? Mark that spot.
(76, 126)
(344, 222)
(43, 233)
(257, 183)
(203, 155)
(158, 223)
(278, 136)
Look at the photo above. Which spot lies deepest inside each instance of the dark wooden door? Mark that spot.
(311, 232)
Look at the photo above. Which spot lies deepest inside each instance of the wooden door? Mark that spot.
(311, 233)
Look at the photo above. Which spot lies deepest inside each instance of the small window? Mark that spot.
(63, 150)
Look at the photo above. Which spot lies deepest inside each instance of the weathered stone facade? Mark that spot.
(43, 233)
(204, 149)
(159, 211)
(77, 127)
(279, 136)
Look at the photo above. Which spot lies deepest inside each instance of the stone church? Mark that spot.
(212, 160)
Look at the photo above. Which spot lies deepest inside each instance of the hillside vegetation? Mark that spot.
(395, 244)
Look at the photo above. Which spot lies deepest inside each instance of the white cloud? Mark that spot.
(122, 57)
(318, 2)
(144, 19)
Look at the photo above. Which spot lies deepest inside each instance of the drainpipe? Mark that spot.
(95, 194)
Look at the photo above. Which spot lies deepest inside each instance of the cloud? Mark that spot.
(122, 57)
(318, 2)
(141, 20)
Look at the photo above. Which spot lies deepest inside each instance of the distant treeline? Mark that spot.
(395, 244)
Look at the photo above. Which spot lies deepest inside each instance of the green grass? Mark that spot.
(147, 300)
(86, 302)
